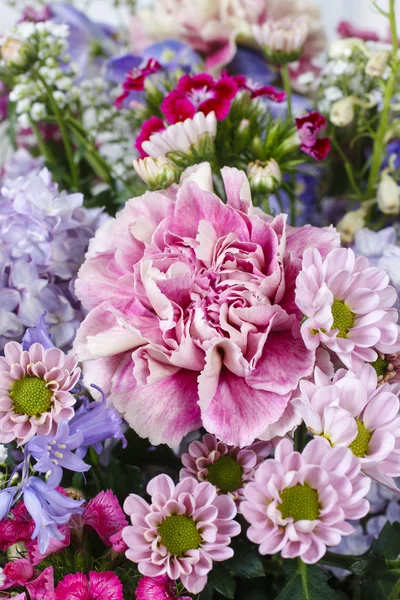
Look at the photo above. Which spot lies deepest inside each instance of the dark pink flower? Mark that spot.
(42, 588)
(308, 128)
(256, 90)
(99, 586)
(134, 81)
(36, 557)
(17, 572)
(118, 544)
(152, 125)
(157, 588)
(17, 529)
(346, 29)
(105, 515)
(200, 93)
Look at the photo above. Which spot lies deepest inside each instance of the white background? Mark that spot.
(359, 12)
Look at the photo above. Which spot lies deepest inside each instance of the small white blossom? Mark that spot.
(3, 454)
(2, 577)
(38, 111)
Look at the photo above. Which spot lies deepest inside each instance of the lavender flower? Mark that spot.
(38, 334)
(96, 423)
(381, 249)
(54, 453)
(44, 234)
(6, 500)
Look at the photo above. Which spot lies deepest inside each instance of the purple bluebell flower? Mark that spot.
(7, 496)
(38, 334)
(54, 453)
(174, 55)
(44, 234)
(97, 423)
(381, 249)
(49, 509)
(251, 63)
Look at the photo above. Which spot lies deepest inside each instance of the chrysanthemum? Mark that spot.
(35, 391)
(184, 529)
(300, 503)
(351, 411)
(347, 305)
(228, 468)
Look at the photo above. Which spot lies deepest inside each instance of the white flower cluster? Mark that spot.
(43, 46)
(353, 70)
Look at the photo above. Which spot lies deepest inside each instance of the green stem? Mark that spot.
(300, 437)
(64, 134)
(379, 143)
(287, 86)
(395, 593)
(44, 150)
(347, 165)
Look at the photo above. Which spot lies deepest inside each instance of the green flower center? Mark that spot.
(226, 474)
(380, 365)
(31, 396)
(343, 318)
(359, 446)
(179, 534)
(300, 502)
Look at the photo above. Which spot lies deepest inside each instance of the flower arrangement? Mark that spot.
(199, 295)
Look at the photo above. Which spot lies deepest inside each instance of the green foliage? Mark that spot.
(246, 561)
(305, 582)
(222, 581)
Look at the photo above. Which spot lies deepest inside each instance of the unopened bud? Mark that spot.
(388, 195)
(12, 51)
(264, 176)
(345, 47)
(158, 173)
(377, 64)
(350, 224)
(342, 112)
(74, 493)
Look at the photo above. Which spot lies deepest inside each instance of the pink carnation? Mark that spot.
(228, 468)
(351, 411)
(35, 389)
(192, 315)
(199, 93)
(152, 125)
(184, 529)
(157, 588)
(348, 305)
(300, 503)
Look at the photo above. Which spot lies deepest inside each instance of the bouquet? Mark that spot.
(199, 327)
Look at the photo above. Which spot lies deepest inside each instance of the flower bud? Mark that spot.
(377, 64)
(342, 112)
(350, 224)
(345, 47)
(264, 176)
(158, 173)
(12, 51)
(388, 195)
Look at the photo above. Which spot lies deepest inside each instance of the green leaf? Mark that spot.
(375, 578)
(222, 581)
(370, 566)
(246, 561)
(388, 542)
(305, 582)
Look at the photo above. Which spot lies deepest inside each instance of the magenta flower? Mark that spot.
(152, 125)
(257, 90)
(157, 588)
(35, 389)
(348, 305)
(307, 129)
(228, 468)
(105, 515)
(300, 503)
(17, 573)
(134, 81)
(199, 93)
(18, 528)
(351, 411)
(192, 315)
(184, 529)
(98, 586)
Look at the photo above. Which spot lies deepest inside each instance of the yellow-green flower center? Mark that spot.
(299, 502)
(359, 446)
(343, 318)
(179, 534)
(226, 474)
(31, 396)
(380, 365)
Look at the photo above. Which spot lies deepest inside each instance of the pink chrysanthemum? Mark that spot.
(199, 93)
(35, 389)
(98, 586)
(184, 529)
(300, 503)
(348, 305)
(350, 410)
(228, 468)
(157, 588)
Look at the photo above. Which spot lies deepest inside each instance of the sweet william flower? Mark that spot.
(231, 355)
(184, 529)
(35, 389)
(228, 468)
(307, 130)
(152, 125)
(157, 588)
(301, 503)
(135, 79)
(95, 586)
(18, 527)
(348, 306)
(105, 515)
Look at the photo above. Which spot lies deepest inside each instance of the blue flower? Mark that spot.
(174, 55)
(54, 453)
(6, 500)
(38, 334)
(96, 423)
(49, 509)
